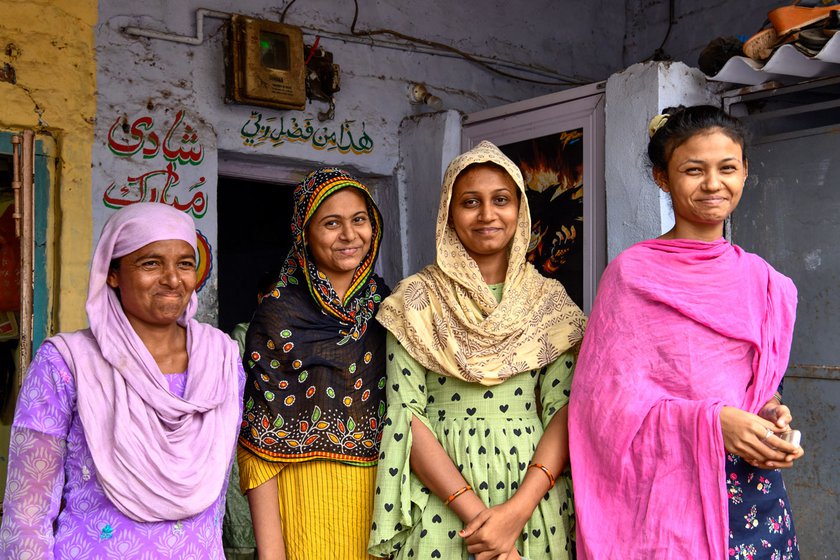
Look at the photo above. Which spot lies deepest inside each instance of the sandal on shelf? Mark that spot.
(793, 18)
(808, 40)
(760, 46)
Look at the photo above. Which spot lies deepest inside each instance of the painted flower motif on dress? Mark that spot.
(763, 485)
(750, 518)
(743, 552)
(775, 526)
(734, 489)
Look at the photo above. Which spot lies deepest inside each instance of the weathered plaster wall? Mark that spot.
(146, 83)
(50, 45)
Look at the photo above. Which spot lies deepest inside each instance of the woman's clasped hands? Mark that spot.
(756, 439)
(492, 533)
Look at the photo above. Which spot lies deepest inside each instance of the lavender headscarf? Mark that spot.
(157, 456)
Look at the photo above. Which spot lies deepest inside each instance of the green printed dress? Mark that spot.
(490, 433)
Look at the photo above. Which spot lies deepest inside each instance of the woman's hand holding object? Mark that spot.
(755, 439)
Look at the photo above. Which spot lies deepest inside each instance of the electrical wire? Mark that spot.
(312, 49)
(286, 9)
(659, 54)
(442, 46)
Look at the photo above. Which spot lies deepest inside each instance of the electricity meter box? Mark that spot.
(265, 64)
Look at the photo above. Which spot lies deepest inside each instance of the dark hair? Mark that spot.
(685, 122)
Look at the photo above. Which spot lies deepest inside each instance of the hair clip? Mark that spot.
(656, 123)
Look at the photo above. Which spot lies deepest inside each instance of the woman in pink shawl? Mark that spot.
(124, 432)
(675, 418)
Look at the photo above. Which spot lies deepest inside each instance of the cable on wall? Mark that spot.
(431, 47)
(442, 46)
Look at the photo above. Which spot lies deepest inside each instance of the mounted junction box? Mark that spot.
(265, 64)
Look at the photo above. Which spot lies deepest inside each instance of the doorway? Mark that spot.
(253, 238)
(25, 302)
(10, 295)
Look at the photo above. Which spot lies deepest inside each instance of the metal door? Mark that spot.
(790, 215)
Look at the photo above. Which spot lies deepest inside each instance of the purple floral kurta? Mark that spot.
(54, 505)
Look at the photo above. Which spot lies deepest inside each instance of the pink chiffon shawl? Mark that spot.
(679, 329)
(157, 456)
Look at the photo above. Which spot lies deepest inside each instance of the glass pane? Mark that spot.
(274, 51)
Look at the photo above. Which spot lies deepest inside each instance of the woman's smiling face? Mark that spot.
(155, 282)
(484, 210)
(705, 178)
(339, 234)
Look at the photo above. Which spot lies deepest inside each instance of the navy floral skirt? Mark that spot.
(760, 521)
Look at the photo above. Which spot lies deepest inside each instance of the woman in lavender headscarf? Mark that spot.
(124, 432)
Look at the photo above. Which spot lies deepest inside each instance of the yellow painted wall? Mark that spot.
(50, 44)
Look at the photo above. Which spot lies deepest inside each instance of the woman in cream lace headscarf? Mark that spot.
(481, 350)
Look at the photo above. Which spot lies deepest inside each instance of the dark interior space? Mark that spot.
(9, 291)
(254, 237)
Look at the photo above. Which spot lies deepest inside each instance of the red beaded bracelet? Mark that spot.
(457, 493)
(547, 472)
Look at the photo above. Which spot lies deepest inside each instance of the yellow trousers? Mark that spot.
(326, 507)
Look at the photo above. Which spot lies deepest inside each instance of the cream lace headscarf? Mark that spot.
(447, 318)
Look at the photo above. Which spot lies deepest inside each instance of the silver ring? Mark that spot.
(767, 436)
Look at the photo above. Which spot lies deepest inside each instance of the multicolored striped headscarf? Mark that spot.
(309, 194)
(316, 387)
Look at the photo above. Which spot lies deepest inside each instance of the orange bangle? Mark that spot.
(547, 472)
(457, 493)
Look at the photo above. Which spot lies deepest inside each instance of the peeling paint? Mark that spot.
(7, 73)
(813, 260)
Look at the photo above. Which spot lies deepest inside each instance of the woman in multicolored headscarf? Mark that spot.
(315, 397)
(481, 349)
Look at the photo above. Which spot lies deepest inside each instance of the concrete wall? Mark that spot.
(162, 123)
(433, 140)
(50, 46)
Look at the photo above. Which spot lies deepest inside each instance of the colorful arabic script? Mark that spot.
(180, 147)
(274, 130)
(154, 186)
